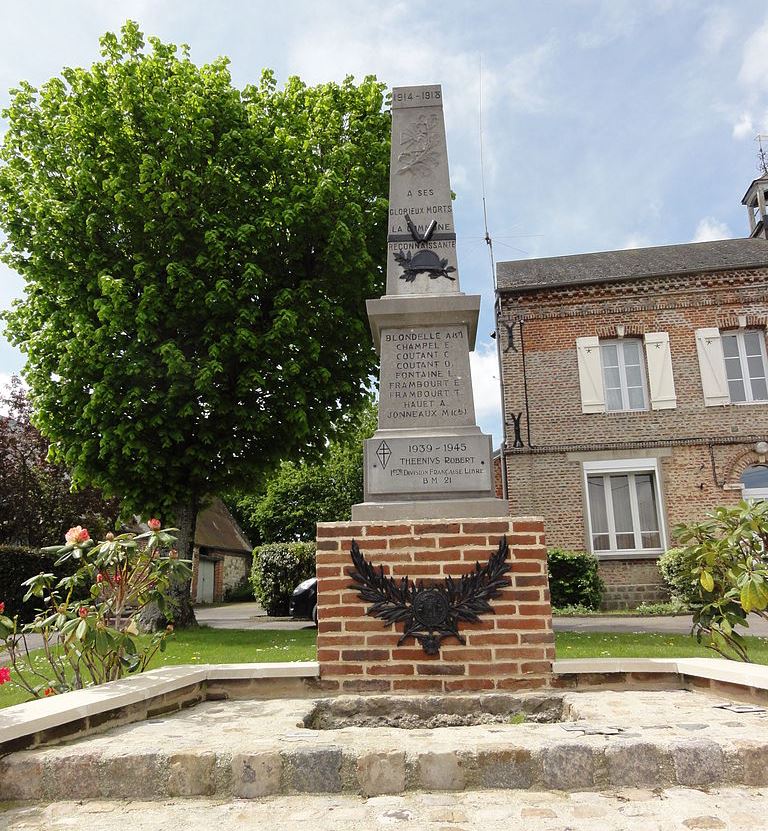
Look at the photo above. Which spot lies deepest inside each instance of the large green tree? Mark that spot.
(197, 260)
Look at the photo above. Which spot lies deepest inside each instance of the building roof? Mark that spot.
(631, 264)
(216, 528)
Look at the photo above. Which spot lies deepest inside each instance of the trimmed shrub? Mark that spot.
(278, 567)
(676, 567)
(18, 564)
(573, 579)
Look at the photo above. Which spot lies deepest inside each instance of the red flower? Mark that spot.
(83, 611)
(5, 675)
(49, 691)
(2, 607)
(118, 578)
(99, 577)
(154, 524)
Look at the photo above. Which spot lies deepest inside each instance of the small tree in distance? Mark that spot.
(197, 260)
(298, 495)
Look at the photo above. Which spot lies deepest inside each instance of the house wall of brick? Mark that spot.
(512, 648)
(701, 450)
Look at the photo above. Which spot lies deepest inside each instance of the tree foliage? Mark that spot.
(36, 500)
(726, 557)
(197, 260)
(300, 494)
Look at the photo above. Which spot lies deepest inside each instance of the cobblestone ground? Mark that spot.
(673, 809)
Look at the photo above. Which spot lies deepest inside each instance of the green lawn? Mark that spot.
(204, 645)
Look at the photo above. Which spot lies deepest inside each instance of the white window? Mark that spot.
(733, 366)
(623, 374)
(745, 365)
(616, 375)
(755, 481)
(623, 507)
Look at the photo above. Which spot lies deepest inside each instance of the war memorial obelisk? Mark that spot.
(428, 458)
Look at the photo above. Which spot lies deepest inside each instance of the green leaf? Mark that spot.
(707, 581)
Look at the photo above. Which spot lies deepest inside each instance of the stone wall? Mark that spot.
(510, 649)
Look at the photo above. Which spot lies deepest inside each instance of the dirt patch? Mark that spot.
(427, 712)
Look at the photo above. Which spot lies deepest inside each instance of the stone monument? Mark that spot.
(428, 458)
(431, 587)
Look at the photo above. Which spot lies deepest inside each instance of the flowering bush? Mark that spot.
(92, 642)
(724, 566)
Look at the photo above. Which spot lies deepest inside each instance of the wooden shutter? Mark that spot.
(590, 375)
(712, 367)
(661, 382)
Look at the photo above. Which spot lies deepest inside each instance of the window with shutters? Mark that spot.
(745, 365)
(623, 374)
(623, 508)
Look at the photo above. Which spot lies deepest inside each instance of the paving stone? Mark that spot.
(73, 777)
(21, 777)
(630, 764)
(381, 773)
(314, 770)
(539, 813)
(192, 774)
(256, 774)
(704, 822)
(441, 771)
(698, 762)
(133, 776)
(752, 758)
(569, 766)
(507, 768)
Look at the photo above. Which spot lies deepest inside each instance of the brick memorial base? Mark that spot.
(511, 649)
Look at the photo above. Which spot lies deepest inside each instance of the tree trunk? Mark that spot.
(179, 597)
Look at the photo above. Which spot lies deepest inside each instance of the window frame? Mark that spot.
(626, 466)
(623, 386)
(743, 363)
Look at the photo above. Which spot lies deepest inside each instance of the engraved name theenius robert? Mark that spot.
(423, 382)
(430, 612)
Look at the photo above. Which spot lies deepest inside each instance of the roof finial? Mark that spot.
(762, 153)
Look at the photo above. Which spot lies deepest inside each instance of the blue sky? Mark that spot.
(606, 124)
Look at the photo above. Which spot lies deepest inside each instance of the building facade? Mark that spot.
(635, 394)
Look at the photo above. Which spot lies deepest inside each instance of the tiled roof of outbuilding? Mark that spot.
(631, 264)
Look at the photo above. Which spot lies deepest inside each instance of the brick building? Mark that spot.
(635, 393)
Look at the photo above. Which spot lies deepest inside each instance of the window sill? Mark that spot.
(644, 554)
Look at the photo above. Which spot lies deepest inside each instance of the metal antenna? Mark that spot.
(762, 153)
(488, 240)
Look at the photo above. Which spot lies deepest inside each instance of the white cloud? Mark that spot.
(635, 241)
(486, 388)
(744, 127)
(710, 228)
(718, 28)
(754, 65)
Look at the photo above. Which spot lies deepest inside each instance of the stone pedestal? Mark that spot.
(513, 648)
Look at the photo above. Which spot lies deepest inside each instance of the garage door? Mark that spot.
(205, 581)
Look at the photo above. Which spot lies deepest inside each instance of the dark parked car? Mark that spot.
(303, 603)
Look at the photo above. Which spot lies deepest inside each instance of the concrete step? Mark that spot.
(251, 749)
(631, 809)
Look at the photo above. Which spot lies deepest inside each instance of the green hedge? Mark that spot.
(573, 579)
(18, 564)
(278, 568)
(677, 570)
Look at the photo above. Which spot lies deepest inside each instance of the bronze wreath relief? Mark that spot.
(430, 613)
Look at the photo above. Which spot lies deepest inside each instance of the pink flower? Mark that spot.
(99, 577)
(77, 535)
(154, 524)
(2, 607)
(5, 675)
(83, 611)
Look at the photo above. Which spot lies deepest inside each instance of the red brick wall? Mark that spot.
(510, 649)
(707, 447)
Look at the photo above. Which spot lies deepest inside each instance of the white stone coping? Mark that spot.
(47, 713)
